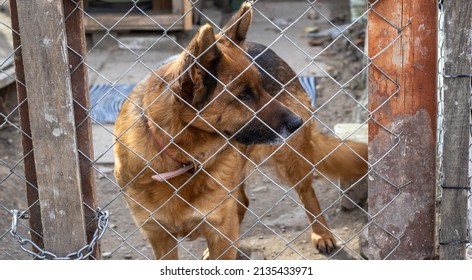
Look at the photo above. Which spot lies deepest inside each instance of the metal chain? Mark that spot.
(82, 254)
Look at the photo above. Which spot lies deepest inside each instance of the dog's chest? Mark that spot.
(190, 205)
(184, 218)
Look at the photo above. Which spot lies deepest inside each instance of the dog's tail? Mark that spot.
(346, 160)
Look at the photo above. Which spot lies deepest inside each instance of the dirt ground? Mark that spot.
(275, 227)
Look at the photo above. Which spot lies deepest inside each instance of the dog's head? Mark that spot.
(220, 88)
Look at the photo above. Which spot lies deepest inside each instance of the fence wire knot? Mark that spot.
(82, 254)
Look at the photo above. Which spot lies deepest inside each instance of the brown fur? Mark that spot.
(346, 161)
(193, 114)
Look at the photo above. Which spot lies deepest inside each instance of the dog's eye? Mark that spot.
(245, 94)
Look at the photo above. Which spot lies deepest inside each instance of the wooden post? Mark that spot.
(77, 52)
(51, 115)
(402, 130)
(455, 178)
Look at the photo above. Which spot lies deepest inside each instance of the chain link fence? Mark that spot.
(326, 45)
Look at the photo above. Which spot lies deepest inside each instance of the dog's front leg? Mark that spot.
(164, 245)
(222, 235)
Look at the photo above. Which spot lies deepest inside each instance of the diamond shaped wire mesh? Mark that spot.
(317, 43)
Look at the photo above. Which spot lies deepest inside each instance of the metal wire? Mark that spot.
(119, 239)
(82, 254)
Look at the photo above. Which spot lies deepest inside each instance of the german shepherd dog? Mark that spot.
(191, 130)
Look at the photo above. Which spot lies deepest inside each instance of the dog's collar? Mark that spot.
(186, 165)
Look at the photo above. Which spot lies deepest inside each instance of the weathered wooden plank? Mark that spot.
(455, 178)
(77, 51)
(402, 130)
(133, 22)
(28, 161)
(48, 85)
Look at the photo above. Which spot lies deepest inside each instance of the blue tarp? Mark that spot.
(106, 100)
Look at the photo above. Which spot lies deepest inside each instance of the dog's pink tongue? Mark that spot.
(161, 177)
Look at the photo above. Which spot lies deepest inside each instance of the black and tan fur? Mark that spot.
(193, 105)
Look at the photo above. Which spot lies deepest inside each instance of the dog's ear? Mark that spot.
(237, 28)
(197, 66)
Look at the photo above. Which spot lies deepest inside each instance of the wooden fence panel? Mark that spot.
(453, 234)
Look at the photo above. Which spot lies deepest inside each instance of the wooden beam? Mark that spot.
(453, 234)
(402, 131)
(77, 52)
(102, 22)
(51, 115)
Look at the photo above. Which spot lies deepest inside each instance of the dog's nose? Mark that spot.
(294, 123)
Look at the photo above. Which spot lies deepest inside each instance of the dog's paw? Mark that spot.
(325, 243)
(206, 254)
